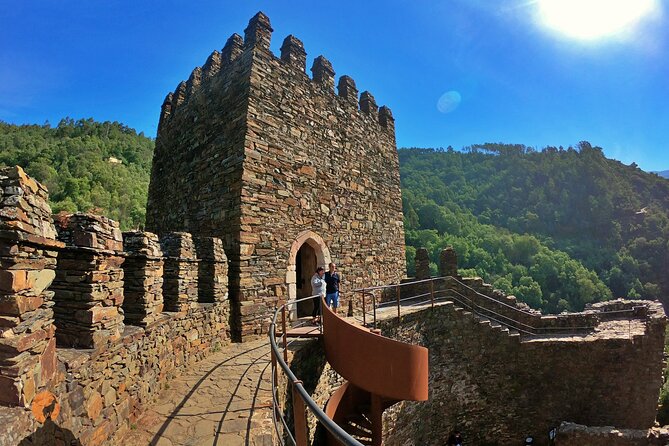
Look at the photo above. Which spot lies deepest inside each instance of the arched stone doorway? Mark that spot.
(306, 253)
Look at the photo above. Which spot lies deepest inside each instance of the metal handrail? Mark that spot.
(298, 389)
(480, 310)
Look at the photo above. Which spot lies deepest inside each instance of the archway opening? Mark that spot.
(307, 252)
(305, 267)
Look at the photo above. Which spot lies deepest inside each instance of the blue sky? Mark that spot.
(503, 74)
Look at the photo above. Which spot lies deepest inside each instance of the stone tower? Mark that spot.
(288, 173)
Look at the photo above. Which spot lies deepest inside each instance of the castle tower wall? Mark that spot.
(197, 165)
(259, 153)
(315, 161)
(196, 171)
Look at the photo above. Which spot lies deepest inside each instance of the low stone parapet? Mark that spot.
(212, 271)
(180, 277)
(89, 282)
(143, 278)
(572, 434)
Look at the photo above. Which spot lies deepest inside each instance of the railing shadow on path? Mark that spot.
(232, 396)
(175, 413)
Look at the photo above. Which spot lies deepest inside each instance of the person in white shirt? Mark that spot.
(318, 289)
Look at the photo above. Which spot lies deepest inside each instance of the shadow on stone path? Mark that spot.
(223, 400)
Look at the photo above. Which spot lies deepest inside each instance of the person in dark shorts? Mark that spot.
(332, 280)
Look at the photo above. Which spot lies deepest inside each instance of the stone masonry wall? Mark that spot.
(100, 390)
(497, 389)
(180, 271)
(570, 434)
(317, 160)
(27, 263)
(89, 281)
(196, 173)
(103, 392)
(143, 278)
(256, 152)
(213, 270)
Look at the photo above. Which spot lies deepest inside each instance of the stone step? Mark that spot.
(356, 431)
(483, 320)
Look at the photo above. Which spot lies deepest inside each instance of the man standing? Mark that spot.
(332, 287)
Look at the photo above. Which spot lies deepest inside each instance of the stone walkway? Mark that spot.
(224, 400)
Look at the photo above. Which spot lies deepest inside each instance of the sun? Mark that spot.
(594, 19)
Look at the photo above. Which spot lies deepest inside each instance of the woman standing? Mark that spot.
(318, 288)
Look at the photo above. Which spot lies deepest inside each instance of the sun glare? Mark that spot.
(594, 19)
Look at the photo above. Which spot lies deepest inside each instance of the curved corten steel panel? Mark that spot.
(382, 366)
(334, 403)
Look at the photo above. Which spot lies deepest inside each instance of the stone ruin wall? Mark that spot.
(82, 313)
(498, 387)
(254, 151)
(571, 434)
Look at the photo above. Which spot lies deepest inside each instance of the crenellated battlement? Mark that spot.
(293, 53)
(232, 49)
(201, 78)
(257, 37)
(258, 34)
(212, 65)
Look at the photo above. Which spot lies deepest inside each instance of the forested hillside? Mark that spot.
(558, 228)
(86, 165)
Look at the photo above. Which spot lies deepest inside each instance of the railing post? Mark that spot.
(398, 302)
(285, 334)
(374, 307)
(320, 313)
(299, 417)
(432, 293)
(364, 309)
(275, 372)
(377, 420)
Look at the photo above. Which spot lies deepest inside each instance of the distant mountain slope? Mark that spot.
(558, 228)
(87, 165)
(612, 218)
(663, 174)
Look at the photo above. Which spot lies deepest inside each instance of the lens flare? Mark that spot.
(449, 101)
(594, 19)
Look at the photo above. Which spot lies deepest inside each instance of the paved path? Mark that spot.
(223, 400)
